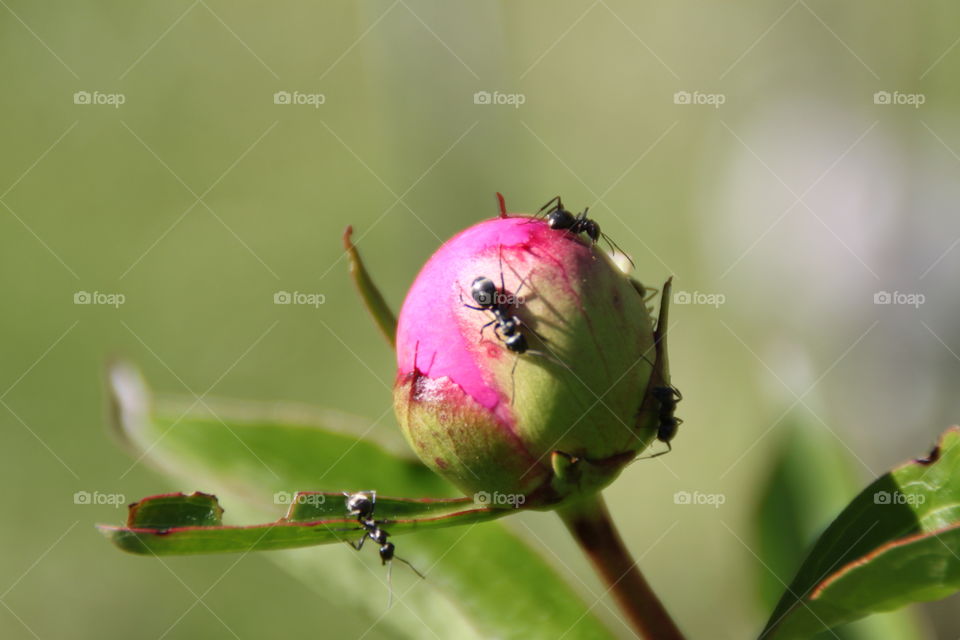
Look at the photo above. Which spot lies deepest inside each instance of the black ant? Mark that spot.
(362, 506)
(559, 218)
(668, 397)
(506, 324)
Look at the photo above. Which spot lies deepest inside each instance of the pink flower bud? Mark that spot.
(560, 416)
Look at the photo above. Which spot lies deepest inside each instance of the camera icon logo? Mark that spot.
(81, 97)
(882, 97)
(82, 497)
(682, 497)
(481, 497)
(282, 297)
(882, 297)
(881, 497)
(482, 97)
(282, 497)
(282, 97)
(681, 97)
(682, 297)
(82, 297)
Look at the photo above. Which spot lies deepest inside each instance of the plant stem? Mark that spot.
(590, 524)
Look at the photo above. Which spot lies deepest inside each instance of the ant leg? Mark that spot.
(483, 328)
(548, 357)
(523, 281)
(513, 379)
(503, 286)
(359, 545)
(658, 453)
(533, 331)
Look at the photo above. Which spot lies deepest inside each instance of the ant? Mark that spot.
(506, 324)
(667, 423)
(362, 505)
(559, 218)
(668, 397)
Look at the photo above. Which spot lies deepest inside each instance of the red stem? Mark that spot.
(590, 524)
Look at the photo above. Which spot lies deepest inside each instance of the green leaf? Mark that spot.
(898, 542)
(181, 524)
(808, 483)
(373, 300)
(810, 480)
(481, 581)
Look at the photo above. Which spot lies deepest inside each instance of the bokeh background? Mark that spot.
(741, 147)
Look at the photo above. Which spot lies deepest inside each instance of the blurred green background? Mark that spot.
(794, 202)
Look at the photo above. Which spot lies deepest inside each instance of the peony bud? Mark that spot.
(560, 417)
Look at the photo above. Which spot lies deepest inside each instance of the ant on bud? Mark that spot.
(559, 218)
(668, 397)
(506, 324)
(362, 505)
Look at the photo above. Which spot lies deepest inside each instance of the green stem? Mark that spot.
(590, 524)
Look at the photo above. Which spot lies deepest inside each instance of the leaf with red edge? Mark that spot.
(896, 543)
(179, 524)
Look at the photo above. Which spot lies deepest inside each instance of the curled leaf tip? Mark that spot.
(373, 300)
(503, 205)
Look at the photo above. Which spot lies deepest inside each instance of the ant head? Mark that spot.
(360, 504)
(560, 219)
(386, 552)
(484, 292)
(665, 394)
(668, 429)
(592, 229)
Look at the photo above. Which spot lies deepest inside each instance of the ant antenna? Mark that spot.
(389, 585)
(389, 564)
(412, 568)
(554, 199)
(616, 248)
